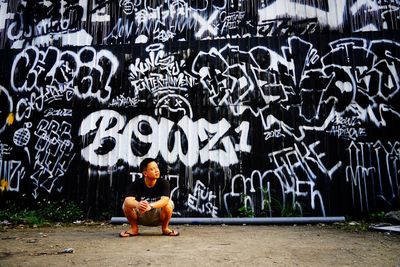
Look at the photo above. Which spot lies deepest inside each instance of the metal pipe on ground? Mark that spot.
(241, 221)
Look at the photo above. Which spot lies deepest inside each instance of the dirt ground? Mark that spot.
(198, 245)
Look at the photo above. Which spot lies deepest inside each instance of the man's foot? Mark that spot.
(127, 234)
(171, 233)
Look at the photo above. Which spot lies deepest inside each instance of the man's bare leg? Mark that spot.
(165, 217)
(131, 215)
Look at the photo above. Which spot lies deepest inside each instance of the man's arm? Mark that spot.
(143, 205)
(131, 202)
(160, 203)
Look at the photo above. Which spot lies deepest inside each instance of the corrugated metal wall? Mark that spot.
(252, 108)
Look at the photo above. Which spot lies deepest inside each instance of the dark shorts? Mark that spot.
(152, 217)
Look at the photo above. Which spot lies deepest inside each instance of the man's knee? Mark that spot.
(169, 207)
(129, 212)
(124, 207)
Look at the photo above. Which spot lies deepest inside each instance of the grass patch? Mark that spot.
(41, 213)
(361, 224)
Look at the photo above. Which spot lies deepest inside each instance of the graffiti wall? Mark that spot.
(252, 108)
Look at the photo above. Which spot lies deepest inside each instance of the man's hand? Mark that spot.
(144, 206)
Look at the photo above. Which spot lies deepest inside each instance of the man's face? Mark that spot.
(152, 171)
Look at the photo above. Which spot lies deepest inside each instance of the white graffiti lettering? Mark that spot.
(54, 153)
(202, 200)
(58, 112)
(372, 177)
(6, 108)
(4, 15)
(67, 71)
(112, 136)
(13, 172)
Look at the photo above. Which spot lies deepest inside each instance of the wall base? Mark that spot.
(258, 220)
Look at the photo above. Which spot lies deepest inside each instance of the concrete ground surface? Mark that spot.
(198, 245)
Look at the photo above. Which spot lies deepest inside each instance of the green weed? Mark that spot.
(277, 208)
(245, 211)
(43, 212)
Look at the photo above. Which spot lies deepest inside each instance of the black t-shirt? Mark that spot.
(140, 191)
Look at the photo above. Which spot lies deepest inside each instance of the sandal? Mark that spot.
(127, 234)
(172, 233)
